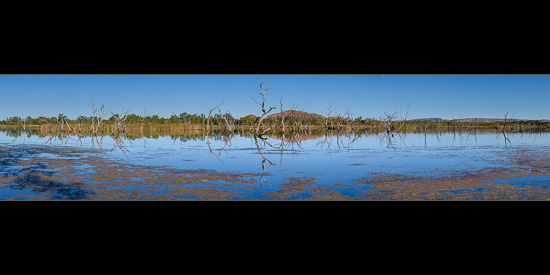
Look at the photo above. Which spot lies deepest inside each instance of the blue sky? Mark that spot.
(446, 96)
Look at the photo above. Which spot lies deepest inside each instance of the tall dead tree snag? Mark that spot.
(262, 93)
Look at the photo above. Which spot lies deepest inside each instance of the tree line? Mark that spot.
(183, 118)
(334, 122)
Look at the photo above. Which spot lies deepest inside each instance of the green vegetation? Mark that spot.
(152, 123)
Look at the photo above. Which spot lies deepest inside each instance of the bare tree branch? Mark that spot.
(262, 93)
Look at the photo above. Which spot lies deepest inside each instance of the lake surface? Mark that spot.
(324, 166)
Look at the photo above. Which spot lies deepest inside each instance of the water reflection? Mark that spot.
(332, 157)
(277, 140)
(219, 144)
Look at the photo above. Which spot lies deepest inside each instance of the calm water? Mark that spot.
(333, 160)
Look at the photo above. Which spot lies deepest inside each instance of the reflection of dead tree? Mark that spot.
(16, 134)
(260, 151)
(325, 141)
(282, 141)
(227, 139)
(262, 93)
(119, 144)
(50, 139)
(262, 178)
(426, 133)
(504, 127)
(208, 143)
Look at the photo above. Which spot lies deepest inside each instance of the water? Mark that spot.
(319, 166)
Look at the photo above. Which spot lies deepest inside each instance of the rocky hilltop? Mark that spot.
(297, 114)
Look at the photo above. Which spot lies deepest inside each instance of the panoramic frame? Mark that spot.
(274, 137)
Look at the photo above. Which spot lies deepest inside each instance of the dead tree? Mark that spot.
(19, 121)
(227, 126)
(62, 123)
(330, 110)
(349, 119)
(23, 121)
(293, 118)
(503, 127)
(505, 121)
(262, 93)
(68, 126)
(47, 120)
(98, 117)
(282, 116)
(327, 118)
(387, 121)
(210, 114)
(404, 118)
(120, 122)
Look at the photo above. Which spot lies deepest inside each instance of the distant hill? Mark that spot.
(432, 119)
(480, 119)
(296, 113)
(487, 119)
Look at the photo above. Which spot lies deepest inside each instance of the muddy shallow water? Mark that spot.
(335, 166)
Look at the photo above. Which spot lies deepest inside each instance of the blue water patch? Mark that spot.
(333, 160)
(8, 193)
